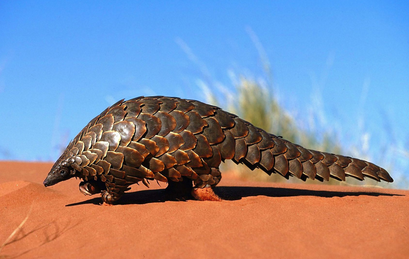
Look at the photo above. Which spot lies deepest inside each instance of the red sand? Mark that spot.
(260, 220)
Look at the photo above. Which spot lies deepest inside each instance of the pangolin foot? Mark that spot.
(205, 194)
(107, 198)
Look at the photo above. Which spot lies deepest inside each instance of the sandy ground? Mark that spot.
(256, 220)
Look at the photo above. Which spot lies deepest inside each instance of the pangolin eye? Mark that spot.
(63, 172)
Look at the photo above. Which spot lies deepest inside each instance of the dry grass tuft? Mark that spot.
(16, 230)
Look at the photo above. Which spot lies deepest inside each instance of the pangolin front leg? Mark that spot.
(183, 142)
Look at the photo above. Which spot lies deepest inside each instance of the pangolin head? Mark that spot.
(62, 170)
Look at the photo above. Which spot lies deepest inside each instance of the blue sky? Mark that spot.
(63, 62)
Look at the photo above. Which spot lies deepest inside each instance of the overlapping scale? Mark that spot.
(316, 156)
(295, 168)
(322, 171)
(240, 150)
(80, 146)
(131, 156)
(97, 129)
(353, 170)
(203, 109)
(126, 130)
(168, 160)
(168, 123)
(133, 108)
(240, 129)
(337, 171)
(150, 105)
(87, 141)
(216, 158)
(182, 120)
(279, 146)
(227, 146)
(253, 155)
(371, 171)
(384, 175)
(103, 147)
(184, 106)
(254, 136)
(150, 145)
(329, 159)
(224, 119)
(168, 104)
(213, 132)
(112, 137)
(309, 169)
(175, 141)
(140, 128)
(281, 165)
(107, 122)
(118, 113)
(162, 143)
(266, 142)
(202, 147)
(140, 148)
(194, 159)
(181, 157)
(156, 165)
(292, 152)
(267, 161)
(174, 175)
(153, 124)
(196, 123)
(92, 157)
(189, 139)
(116, 159)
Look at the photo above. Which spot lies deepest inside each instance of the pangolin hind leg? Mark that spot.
(203, 190)
(184, 190)
(180, 190)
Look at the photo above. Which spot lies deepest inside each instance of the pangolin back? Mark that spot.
(171, 139)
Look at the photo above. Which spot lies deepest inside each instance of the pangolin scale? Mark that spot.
(183, 142)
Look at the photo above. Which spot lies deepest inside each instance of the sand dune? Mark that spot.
(256, 220)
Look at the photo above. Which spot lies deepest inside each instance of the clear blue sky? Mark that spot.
(63, 62)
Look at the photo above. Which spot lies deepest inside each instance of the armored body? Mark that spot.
(183, 142)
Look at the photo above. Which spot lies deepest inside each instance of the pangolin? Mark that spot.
(183, 142)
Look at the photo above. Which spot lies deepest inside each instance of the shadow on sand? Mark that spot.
(229, 193)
